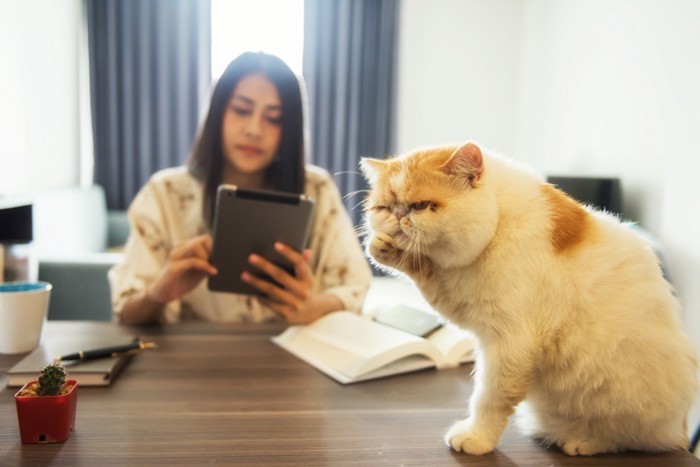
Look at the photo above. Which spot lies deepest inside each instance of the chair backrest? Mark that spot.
(117, 228)
(70, 221)
(80, 288)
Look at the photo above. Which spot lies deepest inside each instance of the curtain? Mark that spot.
(149, 84)
(350, 67)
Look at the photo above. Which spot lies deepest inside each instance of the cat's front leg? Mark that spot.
(498, 389)
(384, 250)
(465, 436)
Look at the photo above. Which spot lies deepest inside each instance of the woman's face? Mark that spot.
(251, 129)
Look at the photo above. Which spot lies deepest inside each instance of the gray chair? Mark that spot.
(75, 239)
(80, 288)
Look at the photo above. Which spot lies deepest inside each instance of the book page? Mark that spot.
(333, 361)
(404, 365)
(358, 334)
(353, 345)
(455, 344)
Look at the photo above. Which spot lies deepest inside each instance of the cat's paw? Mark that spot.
(463, 437)
(581, 447)
(382, 247)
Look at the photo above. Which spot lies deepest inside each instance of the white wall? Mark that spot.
(39, 140)
(458, 63)
(604, 87)
(611, 87)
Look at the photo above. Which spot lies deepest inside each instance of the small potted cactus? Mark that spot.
(46, 406)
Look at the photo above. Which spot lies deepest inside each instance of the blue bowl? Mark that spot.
(24, 286)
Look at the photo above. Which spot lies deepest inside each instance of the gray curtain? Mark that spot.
(149, 80)
(350, 68)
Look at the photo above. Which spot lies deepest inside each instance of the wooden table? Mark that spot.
(224, 394)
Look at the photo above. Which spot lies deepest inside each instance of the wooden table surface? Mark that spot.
(225, 394)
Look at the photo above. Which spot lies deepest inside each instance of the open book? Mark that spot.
(349, 347)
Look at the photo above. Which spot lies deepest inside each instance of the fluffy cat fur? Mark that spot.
(576, 325)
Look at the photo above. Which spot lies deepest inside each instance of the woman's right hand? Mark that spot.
(186, 266)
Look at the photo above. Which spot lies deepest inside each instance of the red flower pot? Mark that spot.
(46, 419)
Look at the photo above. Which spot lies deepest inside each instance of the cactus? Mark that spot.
(51, 380)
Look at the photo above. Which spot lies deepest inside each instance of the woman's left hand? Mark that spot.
(292, 296)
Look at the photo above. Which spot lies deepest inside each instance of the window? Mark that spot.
(273, 26)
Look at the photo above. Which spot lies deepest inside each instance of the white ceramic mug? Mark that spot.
(24, 307)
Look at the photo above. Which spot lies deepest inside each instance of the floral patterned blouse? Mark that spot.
(168, 209)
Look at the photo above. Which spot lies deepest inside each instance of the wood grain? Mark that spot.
(225, 394)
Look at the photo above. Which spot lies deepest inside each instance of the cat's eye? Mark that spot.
(379, 207)
(420, 205)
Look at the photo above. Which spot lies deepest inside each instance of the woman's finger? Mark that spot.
(300, 261)
(280, 308)
(278, 294)
(187, 248)
(201, 248)
(280, 276)
(198, 264)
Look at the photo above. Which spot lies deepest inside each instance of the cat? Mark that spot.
(576, 327)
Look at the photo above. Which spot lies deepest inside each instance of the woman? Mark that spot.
(253, 137)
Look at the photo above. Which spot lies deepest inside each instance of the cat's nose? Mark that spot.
(399, 213)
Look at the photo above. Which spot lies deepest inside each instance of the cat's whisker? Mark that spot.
(361, 231)
(408, 253)
(405, 258)
(353, 193)
(417, 247)
(361, 228)
(347, 172)
(364, 208)
(419, 252)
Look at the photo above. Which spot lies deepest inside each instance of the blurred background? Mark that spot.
(107, 92)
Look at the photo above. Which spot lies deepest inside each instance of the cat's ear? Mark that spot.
(466, 163)
(371, 168)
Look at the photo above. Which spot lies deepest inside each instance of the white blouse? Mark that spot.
(168, 210)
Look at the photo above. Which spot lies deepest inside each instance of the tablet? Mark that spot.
(251, 221)
(409, 319)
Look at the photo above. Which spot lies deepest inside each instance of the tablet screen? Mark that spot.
(251, 221)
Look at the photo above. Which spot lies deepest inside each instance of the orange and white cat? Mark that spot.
(576, 325)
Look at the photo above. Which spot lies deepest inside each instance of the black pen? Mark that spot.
(111, 352)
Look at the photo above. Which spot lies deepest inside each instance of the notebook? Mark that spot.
(96, 372)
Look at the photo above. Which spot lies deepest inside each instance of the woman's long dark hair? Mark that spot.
(286, 173)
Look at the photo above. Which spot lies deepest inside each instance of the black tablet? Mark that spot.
(251, 221)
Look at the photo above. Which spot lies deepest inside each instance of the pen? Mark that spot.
(112, 352)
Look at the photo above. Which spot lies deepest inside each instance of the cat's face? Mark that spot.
(432, 203)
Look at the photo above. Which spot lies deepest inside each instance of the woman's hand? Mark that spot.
(295, 299)
(186, 266)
